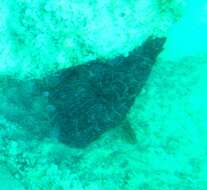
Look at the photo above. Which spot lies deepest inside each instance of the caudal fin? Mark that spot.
(150, 49)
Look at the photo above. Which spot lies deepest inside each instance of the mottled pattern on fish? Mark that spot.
(87, 100)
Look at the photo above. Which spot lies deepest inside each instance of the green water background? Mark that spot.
(169, 119)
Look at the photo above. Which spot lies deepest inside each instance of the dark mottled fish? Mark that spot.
(84, 101)
(87, 100)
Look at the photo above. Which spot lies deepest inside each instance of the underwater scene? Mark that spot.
(103, 95)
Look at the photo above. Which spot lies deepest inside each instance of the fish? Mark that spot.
(77, 105)
(87, 100)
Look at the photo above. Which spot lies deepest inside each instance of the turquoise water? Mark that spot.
(98, 95)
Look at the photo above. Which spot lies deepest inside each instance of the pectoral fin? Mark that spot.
(129, 134)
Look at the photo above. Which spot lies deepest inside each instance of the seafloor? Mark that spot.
(169, 117)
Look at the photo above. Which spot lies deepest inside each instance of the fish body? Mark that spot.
(87, 100)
